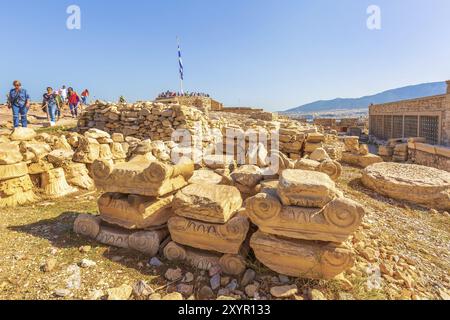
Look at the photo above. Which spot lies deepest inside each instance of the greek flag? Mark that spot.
(180, 62)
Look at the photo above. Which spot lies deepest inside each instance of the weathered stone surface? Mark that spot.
(414, 183)
(120, 293)
(301, 259)
(134, 211)
(147, 242)
(247, 175)
(16, 191)
(22, 134)
(223, 238)
(10, 153)
(319, 155)
(88, 150)
(38, 151)
(335, 222)
(77, 175)
(141, 176)
(40, 167)
(284, 291)
(54, 184)
(306, 188)
(209, 203)
(60, 157)
(331, 168)
(206, 177)
(360, 160)
(307, 164)
(204, 260)
(11, 171)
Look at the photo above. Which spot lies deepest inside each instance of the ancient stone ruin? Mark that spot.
(303, 223)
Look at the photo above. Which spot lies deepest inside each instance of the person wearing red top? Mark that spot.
(84, 96)
(74, 101)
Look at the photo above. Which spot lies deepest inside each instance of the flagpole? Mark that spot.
(180, 62)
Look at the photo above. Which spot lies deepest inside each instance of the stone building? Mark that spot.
(427, 117)
(202, 103)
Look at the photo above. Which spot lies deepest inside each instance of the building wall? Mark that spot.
(202, 103)
(427, 117)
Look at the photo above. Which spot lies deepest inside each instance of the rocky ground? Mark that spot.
(403, 253)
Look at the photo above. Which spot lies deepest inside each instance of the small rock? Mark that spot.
(344, 282)
(96, 294)
(49, 265)
(155, 262)
(116, 258)
(205, 293)
(345, 296)
(120, 293)
(315, 294)
(85, 249)
(185, 289)
(284, 291)
(224, 281)
(233, 285)
(215, 282)
(155, 296)
(173, 296)
(283, 279)
(188, 277)
(142, 289)
(62, 293)
(174, 274)
(251, 290)
(86, 263)
(223, 292)
(225, 298)
(248, 277)
(369, 254)
(214, 270)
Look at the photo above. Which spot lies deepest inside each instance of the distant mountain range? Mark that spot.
(409, 92)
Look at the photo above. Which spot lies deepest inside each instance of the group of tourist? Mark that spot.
(170, 94)
(53, 103)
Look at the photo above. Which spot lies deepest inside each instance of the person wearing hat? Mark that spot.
(19, 102)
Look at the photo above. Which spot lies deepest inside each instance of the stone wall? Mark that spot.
(156, 121)
(430, 156)
(427, 117)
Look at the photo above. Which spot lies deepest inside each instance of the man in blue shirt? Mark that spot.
(19, 102)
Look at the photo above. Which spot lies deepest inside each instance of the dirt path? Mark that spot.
(403, 253)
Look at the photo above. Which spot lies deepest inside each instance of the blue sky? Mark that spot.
(274, 54)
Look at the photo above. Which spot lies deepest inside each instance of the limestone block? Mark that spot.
(39, 150)
(223, 238)
(247, 175)
(230, 264)
(62, 144)
(335, 222)
(77, 175)
(351, 144)
(315, 138)
(60, 157)
(96, 134)
(88, 151)
(40, 167)
(105, 152)
(147, 242)
(54, 184)
(22, 134)
(418, 184)
(307, 164)
(134, 211)
(209, 203)
(205, 176)
(142, 176)
(11, 171)
(301, 259)
(10, 153)
(363, 150)
(319, 155)
(118, 152)
(16, 191)
(306, 188)
(331, 168)
(385, 151)
(219, 161)
(360, 161)
(311, 147)
(117, 137)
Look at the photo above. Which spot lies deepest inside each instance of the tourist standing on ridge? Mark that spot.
(84, 96)
(19, 102)
(63, 94)
(51, 103)
(74, 101)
